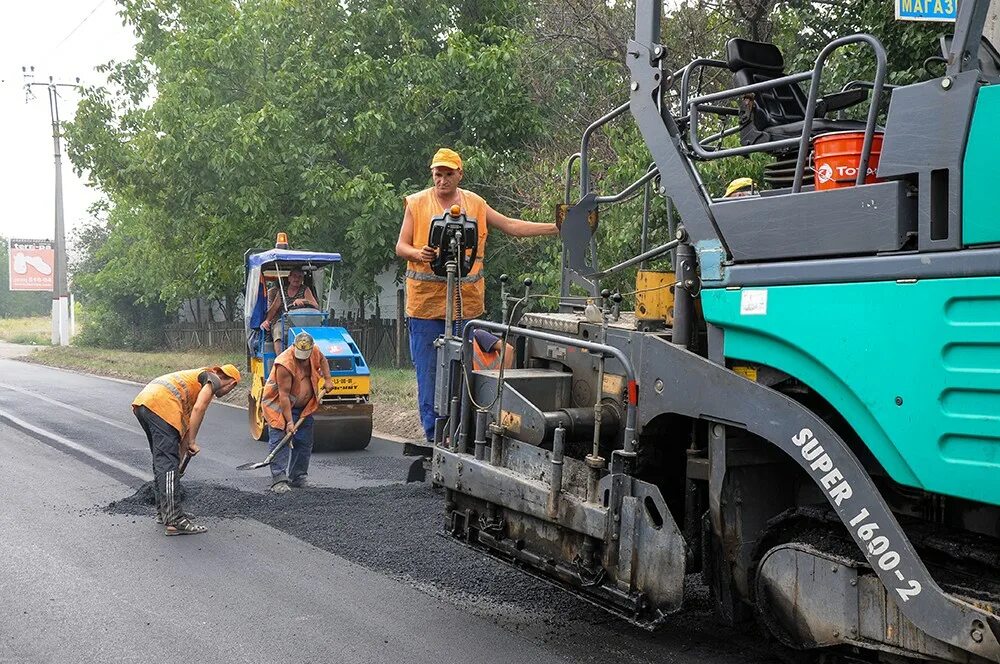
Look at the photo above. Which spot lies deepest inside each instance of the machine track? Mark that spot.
(965, 565)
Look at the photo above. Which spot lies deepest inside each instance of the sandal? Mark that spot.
(184, 526)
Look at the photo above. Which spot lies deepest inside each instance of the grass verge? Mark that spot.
(140, 367)
(34, 330)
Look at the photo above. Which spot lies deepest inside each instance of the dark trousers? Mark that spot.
(164, 445)
(292, 464)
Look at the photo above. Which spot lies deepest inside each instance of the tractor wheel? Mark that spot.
(258, 427)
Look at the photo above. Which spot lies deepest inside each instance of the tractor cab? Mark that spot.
(344, 420)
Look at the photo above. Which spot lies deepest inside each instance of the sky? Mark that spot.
(65, 39)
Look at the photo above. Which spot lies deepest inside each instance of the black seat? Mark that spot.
(778, 113)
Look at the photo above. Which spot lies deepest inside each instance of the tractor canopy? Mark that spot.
(269, 264)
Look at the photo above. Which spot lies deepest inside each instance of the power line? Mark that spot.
(78, 26)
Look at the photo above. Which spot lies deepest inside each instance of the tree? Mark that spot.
(308, 117)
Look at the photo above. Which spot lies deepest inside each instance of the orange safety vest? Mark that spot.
(490, 361)
(172, 397)
(425, 291)
(269, 401)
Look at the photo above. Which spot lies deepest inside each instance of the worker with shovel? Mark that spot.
(171, 410)
(288, 402)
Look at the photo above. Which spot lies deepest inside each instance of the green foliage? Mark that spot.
(238, 120)
(19, 304)
(308, 117)
(110, 282)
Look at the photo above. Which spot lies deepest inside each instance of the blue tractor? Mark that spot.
(344, 419)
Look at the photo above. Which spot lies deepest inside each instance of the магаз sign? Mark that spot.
(926, 10)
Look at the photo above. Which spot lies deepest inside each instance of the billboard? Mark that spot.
(31, 264)
(926, 10)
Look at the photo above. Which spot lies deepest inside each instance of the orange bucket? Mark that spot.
(836, 158)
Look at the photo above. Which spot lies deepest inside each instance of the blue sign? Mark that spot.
(926, 10)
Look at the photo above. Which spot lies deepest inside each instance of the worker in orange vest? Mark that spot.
(290, 393)
(487, 354)
(171, 409)
(425, 291)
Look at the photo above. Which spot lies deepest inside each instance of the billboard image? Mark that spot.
(32, 263)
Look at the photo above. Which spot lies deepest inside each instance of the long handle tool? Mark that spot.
(185, 460)
(277, 448)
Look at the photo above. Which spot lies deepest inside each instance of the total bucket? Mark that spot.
(836, 158)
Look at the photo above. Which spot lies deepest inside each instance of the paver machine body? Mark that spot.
(805, 409)
(344, 419)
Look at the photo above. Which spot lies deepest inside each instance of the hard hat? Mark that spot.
(447, 158)
(738, 185)
(231, 371)
(303, 345)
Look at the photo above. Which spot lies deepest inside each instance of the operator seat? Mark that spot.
(778, 113)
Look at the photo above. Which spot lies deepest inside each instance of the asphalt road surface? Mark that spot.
(352, 569)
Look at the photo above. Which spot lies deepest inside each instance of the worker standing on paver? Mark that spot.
(290, 393)
(425, 291)
(171, 409)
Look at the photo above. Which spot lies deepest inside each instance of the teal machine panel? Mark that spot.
(980, 221)
(914, 367)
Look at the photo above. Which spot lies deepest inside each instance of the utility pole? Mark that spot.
(61, 321)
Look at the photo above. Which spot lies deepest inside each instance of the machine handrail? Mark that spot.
(569, 176)
(701, 103)
(622, 195)
(631, 408)
(704, 103)
(585, 145)
(686, 77)
(873, 106)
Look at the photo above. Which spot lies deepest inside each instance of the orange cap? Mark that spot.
(447, 158)
(231, 371)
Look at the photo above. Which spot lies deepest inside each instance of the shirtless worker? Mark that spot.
(171, 410)
(290, 393)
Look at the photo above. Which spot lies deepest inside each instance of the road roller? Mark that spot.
(344, 419)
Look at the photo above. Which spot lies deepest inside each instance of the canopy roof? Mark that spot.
(292, 256)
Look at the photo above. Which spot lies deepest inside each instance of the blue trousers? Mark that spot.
(423, 332)
(292, 464)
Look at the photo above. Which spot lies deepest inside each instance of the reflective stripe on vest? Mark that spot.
(490, 361)
(483, 361)
(172, 397)
(425, 276)
(425, 291)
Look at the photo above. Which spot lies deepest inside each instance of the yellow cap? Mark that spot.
(447, 158)
(231, 371)
(738, 185)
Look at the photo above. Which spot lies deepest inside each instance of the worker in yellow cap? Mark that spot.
(425, 291)
(171, 410)
(741, 187)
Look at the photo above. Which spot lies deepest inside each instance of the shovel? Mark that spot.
(277, 448)
(184, 465)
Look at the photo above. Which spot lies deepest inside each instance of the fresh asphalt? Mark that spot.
(82, 582)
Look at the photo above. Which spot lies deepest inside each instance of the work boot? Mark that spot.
(299, 482)
(280, 487)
